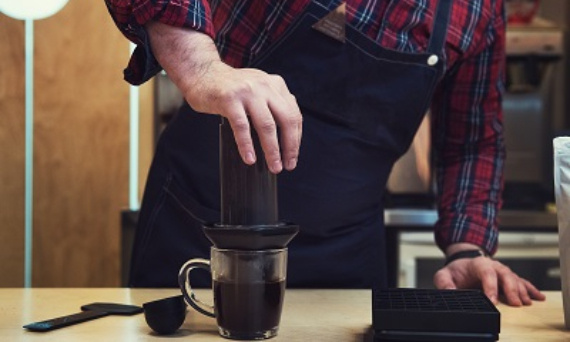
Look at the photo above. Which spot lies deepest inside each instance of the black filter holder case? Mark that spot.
(430, 315)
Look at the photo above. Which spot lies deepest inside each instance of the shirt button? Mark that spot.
(432, 60)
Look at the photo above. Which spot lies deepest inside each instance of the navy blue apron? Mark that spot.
(361, 105)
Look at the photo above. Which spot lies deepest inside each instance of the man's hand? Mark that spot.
(240, 95)
(491, 276)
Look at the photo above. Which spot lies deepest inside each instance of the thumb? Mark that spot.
(443, 280)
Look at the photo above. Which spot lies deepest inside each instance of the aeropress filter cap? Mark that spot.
(252, 237)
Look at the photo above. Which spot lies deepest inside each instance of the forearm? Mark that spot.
(470, 182)
(185, 54)
(132, 16)
(243, 96)
(469, 147)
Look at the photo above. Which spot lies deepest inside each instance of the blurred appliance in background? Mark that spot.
(168, 100)
(532, 52)
(521, 11)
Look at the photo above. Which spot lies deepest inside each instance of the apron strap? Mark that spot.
(440, 23)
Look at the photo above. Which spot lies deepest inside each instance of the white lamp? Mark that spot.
(29, 10)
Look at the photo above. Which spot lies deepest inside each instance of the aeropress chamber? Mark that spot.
(249, 210)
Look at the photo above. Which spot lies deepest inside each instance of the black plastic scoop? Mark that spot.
(90, 311)
(165, 316)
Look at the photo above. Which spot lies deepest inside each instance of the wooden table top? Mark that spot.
(308, 315)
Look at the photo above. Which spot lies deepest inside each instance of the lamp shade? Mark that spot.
(31, 9)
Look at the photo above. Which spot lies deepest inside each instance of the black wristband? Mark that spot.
(469, 254)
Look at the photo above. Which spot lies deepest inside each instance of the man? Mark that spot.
(356, 77)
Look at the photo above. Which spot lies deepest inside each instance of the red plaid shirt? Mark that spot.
(466, 109)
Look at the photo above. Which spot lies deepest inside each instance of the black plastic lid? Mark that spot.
(253, 237)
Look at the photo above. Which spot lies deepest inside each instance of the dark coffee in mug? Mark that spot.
(248, 286)
(246, 307)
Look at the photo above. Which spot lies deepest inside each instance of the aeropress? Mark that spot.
(249, 210)
(249, 252)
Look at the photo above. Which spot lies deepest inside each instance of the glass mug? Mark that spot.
(249, 287)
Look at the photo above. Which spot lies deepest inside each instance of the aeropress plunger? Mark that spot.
(249, 214)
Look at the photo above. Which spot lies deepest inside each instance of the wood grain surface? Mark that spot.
(308, 315)
(12, 141)
(81, 147)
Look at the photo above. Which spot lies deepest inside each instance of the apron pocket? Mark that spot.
(172, 235)
(190, 206)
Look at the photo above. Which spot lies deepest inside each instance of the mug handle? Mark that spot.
(184, 283)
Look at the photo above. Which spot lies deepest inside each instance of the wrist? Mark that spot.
(201, 85)
(188, 56)
(462, 246)
(464, 254)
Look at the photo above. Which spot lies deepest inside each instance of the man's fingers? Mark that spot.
(242, 133)
(289, 119)
(523, 293)
(251, 97)
(488, 278)
(533, 292)
(288, 116)
(510, 285)
(443, 280)
(492, 276)
(266, 129)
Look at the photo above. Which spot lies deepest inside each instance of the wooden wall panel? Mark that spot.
(81, 147)
(12, 111)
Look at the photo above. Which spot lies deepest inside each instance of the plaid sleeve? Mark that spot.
(130, 16)
(469, 146)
